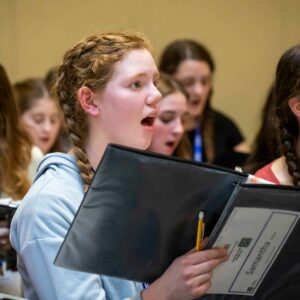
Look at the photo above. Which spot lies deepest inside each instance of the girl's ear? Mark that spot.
(87, 100)
(294, 104)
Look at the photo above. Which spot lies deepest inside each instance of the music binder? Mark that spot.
(141, 211)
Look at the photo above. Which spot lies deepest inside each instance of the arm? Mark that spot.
(38, 230)
(242, 147)
(52, 282)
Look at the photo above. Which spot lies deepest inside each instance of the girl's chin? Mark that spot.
(44, 149)
(142, 145)
(169, 151)
(196, 112)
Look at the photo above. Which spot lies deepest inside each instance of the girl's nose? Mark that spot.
(47, 126)
(198, 88)
(154, 96)
(178, 127)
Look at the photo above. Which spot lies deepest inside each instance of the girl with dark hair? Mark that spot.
(168, 136)
(286, 169)
(265, 145)
(215, 138)
(107, 91)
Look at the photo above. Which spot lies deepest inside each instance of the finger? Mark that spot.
(201, 289)
(208, 266)
(202, 268)
(199, 280)
(205, 255)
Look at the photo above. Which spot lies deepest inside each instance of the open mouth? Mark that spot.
(148, 121)
(44, 140)
(195, 102)
(170, 144)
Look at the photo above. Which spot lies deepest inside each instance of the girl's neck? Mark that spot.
(94, 155)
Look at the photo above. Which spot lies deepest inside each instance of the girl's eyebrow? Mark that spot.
(143, 74)
(168, 111)
(137, 75)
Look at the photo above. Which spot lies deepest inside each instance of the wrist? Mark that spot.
(155, 291)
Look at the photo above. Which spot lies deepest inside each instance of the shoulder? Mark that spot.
(267, 173)
(36, 157)
(225, 128)
(223, 119)
(36, 153)
(49, 207)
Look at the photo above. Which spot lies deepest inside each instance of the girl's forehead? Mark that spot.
(136, 62)
(174, 101)
(44, 103)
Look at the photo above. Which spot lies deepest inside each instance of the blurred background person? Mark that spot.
(286, 169)
(168, 137)
(265, 147)
(214, 137)
(40, 114)
(18, 163)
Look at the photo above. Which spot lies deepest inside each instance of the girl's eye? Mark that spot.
(38, 120)
(205, 82)
(54, 120)
(166, 118)
(187, 82)
(136, 85)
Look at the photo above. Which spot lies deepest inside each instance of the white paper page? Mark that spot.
(254, 238)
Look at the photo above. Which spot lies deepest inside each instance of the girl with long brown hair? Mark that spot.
(106, 89)
(17, 167)
(214, 137)
(15, 146)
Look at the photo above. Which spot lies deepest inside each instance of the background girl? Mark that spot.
(18, 163)
(39, 113)
(168, 137)
(214, 137)
(286, 169)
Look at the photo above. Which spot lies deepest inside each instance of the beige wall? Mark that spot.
(246, 38)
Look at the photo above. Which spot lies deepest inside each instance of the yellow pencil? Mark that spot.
(200, 230)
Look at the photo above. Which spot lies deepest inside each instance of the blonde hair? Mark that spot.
(15, 146)
(90, 63)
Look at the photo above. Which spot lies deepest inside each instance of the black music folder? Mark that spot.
(141, 212)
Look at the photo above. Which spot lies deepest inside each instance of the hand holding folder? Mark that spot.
(141, 212)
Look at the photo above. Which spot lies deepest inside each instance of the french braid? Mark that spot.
(292, 160)
(89, 63)
(287, 86)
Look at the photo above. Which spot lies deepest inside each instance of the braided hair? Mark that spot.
(287, 86)
(89, 63)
